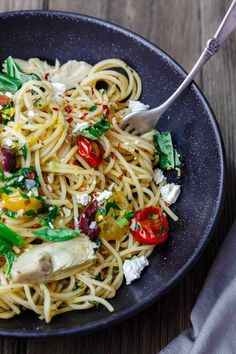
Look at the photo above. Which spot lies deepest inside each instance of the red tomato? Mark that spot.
(4, 100)
(150, 226)
(90, 150)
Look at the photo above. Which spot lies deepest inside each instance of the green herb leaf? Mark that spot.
(10, 257)
(56, 235)
(123, 222)
(169, 158)
(2, 175)
(129, 215)
(9, 213)
(21, 179)
(95, 303)
(24, 151)
(5, 246)
(92, 108)
(9, 235)
(106, 208)
(98, 277)
(13, 70)
(96, 130)
(53, 213)
(31, 213)
(8, 83)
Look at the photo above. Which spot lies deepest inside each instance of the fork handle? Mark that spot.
(226, 27)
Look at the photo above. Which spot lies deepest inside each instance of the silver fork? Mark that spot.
(141, 122)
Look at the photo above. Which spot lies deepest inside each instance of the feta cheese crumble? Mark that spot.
(133, 268)
(80, 126)
(59, 89)
(137, 106)
(83, 199)
(170, 192)
(158, 176)
(100, 196)
(93, 225)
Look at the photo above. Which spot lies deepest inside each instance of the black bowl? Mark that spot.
(65, 36)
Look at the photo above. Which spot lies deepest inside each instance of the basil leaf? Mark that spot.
(21, 180)
(13, 70)
(129, 215)
(169, 158)
(9, 213)
(53, 213)
(2, 175)
(31, 213)
(10, 257)
(5, 246)
(56, 235)
(106, 208)
(8, 83)
(9, 235)
(123, 222)
(92, 108)
(24, 151)
(96, 130)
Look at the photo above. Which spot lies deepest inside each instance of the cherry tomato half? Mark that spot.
(4, 100)
(91, 151)
(150, 226)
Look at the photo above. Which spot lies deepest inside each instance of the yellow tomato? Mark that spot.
(109, 226)
(15, 202)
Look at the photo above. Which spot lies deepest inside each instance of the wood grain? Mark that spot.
(181, 28)
(13, 5)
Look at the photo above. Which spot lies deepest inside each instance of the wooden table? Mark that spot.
(181, 28)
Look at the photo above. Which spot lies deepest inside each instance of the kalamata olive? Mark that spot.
(8, 159)
(86, 220)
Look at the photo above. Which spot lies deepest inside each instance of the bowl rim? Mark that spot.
(135, 309)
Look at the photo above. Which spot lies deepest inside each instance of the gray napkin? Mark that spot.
(213, 317)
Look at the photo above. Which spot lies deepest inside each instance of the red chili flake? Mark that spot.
(92, 91)
(102, 204)
(104, 106)
(121, 177)
(31, 175)
(69, 120)
(113, 155)
(4, 209)
(72, 227)
(68, 108)
(74, 162)
(137, 151)
(36, 226)
(27, 202)
(55, 109)
(107, 113)
(46, 76)
(84, 115)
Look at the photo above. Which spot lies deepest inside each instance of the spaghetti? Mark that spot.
(49, 114)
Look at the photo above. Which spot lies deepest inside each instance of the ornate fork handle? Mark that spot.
(226, 27)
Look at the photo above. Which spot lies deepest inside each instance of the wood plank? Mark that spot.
(88, 7)
(13, 5)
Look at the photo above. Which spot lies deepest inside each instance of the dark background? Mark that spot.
(181, 28)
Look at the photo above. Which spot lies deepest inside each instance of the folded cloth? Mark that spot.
(213, 317)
